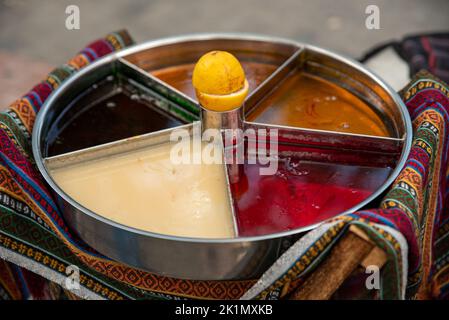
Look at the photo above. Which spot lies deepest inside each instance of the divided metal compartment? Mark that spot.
(218, 259)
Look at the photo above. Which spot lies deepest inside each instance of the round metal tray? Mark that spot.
(240, 257)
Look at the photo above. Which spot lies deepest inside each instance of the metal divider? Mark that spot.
(319, 144)
(130, 145)
(185, 103)
(292, 63)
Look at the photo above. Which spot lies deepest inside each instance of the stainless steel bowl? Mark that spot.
(241, 257)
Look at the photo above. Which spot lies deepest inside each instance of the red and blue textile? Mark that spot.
(412, 223)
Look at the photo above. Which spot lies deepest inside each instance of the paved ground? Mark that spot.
(35, 30)
(17, 75)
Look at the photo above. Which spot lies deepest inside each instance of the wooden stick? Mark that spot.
(352, 250)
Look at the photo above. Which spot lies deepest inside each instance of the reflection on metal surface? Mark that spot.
(240, 257)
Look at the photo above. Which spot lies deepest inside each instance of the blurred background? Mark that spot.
(33, 36)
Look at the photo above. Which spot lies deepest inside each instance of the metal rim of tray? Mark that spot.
(37, 131)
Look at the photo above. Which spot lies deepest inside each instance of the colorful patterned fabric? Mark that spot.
(411, 226)
(421, 52)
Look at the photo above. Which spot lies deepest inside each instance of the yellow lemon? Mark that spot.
(219, 81)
